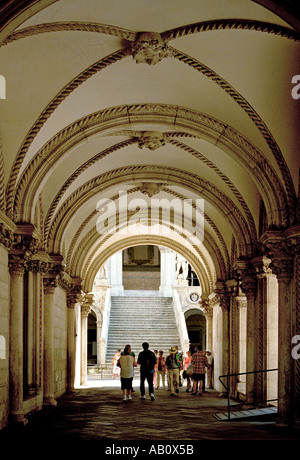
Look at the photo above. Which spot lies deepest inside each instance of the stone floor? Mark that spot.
(97, 412)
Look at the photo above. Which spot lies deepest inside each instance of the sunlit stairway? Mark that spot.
(138, 319)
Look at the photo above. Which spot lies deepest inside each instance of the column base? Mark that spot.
(18, 419)
(49, 401)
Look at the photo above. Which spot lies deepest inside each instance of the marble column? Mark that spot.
(72, 298)
(282, 248)
(16, 265)
(208, 312)
(249, 287)
(224, 303)
(241, 305)
(49, 292)
(85, 310)
(115, 273)
(283, 268)
(167, 272)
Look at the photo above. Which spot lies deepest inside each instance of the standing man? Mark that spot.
(173, 371)
(199, 362)
(147, 361)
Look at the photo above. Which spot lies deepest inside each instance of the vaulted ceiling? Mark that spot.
(206, 114)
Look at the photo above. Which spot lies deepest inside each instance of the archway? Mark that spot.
(196, 327)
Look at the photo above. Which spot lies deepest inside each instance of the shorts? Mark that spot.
(126, 384)
(199, 377)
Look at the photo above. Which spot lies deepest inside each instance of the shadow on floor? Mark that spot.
(99, 413)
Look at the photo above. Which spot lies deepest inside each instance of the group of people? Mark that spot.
(154, 367)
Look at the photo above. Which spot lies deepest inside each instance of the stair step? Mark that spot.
(140, 317)
(247, 413)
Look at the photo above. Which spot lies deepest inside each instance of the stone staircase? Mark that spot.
(141, 318)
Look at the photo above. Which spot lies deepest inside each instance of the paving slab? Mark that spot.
(97, 412)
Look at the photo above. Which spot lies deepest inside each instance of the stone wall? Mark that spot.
(4, 337)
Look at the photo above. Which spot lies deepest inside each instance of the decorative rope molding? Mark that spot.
(200, 123)
(92, 239)
(79, 26)
(84, 75)
(213, 225)
(167, 190)
(141, 239)
(213, 247)
(172, 34)
(77, 173)
(85, 223)
(226, 24)
(139, 173)
(61, 96)
(116, 147)
(259, 123)
(224, 178)
(190, 61)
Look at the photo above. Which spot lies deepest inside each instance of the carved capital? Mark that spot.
(74, 296)
(293, 240)
(241, 302)
(39, 263)
(85, 311)
(149, 48)
(222, 296)
(232, 287)
(49, 285)
(16, 264)
(282, 266)
(6, 236)
(281, 247)
(246, 274)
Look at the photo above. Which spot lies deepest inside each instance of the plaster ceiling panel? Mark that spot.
(73, 160)
(127, 83)
(51, 61)
(260, 67)
(161, 14)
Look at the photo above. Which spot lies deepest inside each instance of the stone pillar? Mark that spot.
(85, 310)
(232, 289)
(224, 305)
(283, 249)
(247, 275)
(167, 272)
(72, 299)
(208, 312)
(49, 292)
(16, 266)
(241, 303)
(98, 335)
(115, 272)
(267, 326)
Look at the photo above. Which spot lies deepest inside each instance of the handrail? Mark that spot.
(227, 388)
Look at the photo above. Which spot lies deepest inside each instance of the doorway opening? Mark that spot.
(196, 328)
(141, 268)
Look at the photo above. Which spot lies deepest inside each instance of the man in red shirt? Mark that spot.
(199, 362)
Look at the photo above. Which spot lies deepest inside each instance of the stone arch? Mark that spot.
(93, 268)
(148, 172)
(193, 122)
